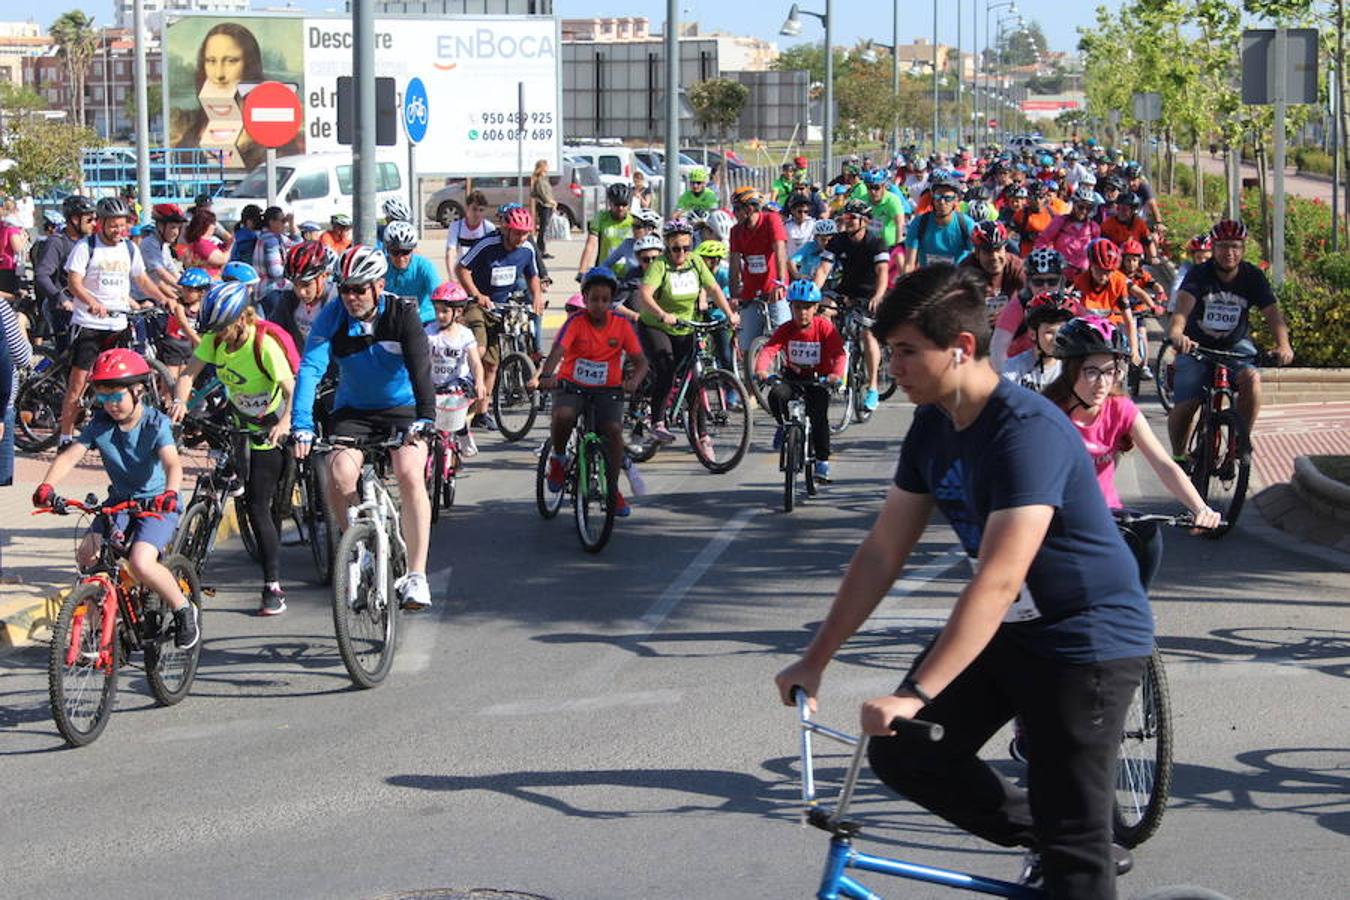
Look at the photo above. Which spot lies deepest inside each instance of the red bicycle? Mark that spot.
(103, 620)
(1220, 449)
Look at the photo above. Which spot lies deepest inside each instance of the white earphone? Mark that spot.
(959, 356)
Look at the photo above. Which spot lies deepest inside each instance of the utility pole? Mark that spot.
(363, 93)
(935, 75)
(670, 192)
(142, 109)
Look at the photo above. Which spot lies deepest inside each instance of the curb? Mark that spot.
(28, 625)
(1327, 496)
(1287, 386)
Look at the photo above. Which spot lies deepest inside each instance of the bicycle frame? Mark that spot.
(377, 506)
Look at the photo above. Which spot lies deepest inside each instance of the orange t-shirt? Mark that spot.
(1109, 300)
(593, 355)
(333, 243)
(1119, 232)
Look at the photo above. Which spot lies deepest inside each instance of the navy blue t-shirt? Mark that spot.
(1220, 316)
(498, 272)
(1023, 451)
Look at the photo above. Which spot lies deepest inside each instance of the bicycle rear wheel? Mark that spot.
(364, 624)
(82, 687)
(1164, 369)
(196, 534)
(1144, 767)
(1223, 465)
(513, 403)
(548, 502)
(760, 389)
(318, 526)
(792, 461)
(594, 496)
(37, 406)
(170, 669)
(717, 421)
(885, 380)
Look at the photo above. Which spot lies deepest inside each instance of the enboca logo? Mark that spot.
(486, 44)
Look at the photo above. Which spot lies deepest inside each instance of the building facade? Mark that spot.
(108, 84)
(155, 10)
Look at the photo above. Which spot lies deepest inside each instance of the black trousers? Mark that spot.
(1073, 715)
(817, 398)
(545, 215)
(663, 351)
(265, 469)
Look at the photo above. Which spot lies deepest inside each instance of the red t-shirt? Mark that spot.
(593, 355)
(1119, 232)
(759, 260)
(814, 350)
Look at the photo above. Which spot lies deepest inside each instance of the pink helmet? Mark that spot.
(576, 301)
(450, 292)
(519, 219)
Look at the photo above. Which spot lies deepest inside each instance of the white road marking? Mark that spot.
(583, 704)
(419, 632)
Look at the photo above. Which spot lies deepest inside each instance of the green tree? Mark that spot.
(154, 102)
(45, 151)
(76, 42)
(717, 105)
(1022, 46)
(810, 57)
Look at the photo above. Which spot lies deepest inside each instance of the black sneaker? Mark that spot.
(185, 627)
(273, 602)
(485, 422)
(1033, 876)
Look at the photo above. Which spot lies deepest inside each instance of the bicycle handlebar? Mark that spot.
(916, 727)
(703, 326)
(61, 507)
(1185, 520)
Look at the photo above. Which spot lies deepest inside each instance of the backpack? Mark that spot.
(7, 258)
(282, 337)
(242, 249)
(126, 242)
(960, 221)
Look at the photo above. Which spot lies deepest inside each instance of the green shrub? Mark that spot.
(1319, 322)
(1334, 269)
(1313, 160)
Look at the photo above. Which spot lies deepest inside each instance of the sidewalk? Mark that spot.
(1282, 435)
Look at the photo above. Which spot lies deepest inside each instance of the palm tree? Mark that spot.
(77, 42)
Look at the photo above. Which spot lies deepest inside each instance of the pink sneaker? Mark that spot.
(661, 434)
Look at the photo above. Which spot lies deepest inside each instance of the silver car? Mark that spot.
(577, 188)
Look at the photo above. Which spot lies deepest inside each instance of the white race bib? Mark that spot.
(804, 354)
(252, 405)
(933, 258)
(503, 276)
(1223, 312)
(684, 284)
(590, 373)
(1023, 608)
(757, 265)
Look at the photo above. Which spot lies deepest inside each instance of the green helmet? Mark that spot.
(698, 173)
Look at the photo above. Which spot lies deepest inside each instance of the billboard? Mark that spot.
(471, 67)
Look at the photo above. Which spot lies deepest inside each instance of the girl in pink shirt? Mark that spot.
(1089, 389)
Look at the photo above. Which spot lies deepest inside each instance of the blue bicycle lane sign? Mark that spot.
(415, 112)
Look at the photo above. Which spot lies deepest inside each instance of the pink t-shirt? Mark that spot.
(1010, 319)
(1102, 438)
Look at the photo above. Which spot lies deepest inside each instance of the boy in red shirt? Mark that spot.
(811, 348)
(591, 348)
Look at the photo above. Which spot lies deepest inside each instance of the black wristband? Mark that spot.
(911, 686)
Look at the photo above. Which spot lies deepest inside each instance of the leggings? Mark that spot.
(265, 469)
(664, 350)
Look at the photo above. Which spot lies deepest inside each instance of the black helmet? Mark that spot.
(1130, 199)
(1085, 336)
(619, 194)
(112, 207)
(77, 205)
(857, 208)
(797, 200)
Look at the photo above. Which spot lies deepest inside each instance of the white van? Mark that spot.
(615, 162)
(313, 186)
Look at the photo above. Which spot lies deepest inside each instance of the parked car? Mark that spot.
(1019, 142)
(655, 160)
(615, 162)
(577, 188)
(312, 186)
(713, 160)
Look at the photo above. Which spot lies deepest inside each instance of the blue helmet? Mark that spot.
(54, 219)
(195, 278)
(600, 275)
(803, 290)
(223, 303)
(239, 271)
(874, 176)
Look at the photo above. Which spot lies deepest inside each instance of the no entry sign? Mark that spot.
(272, 114)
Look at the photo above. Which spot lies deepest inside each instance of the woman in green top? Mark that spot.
(259, 385)
(669, 294)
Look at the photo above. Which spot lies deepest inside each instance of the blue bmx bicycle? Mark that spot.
(835, 882)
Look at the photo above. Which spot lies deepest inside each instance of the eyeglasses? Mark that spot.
(1229, 246)
(1092, 373)
(679, 248)
(112, 397)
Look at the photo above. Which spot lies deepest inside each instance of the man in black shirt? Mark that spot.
(49, 275)
(865, 273)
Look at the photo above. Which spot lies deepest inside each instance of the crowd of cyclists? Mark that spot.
(311, 335)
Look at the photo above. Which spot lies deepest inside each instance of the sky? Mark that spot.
(855, 19)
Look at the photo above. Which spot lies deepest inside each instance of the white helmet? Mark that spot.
(720, 222)
(396, 210)
(361, 265)
(826, 227)
(400, 235)
(648, 242)
(649, 217)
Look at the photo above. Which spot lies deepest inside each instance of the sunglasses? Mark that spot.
(111, 397)
(352, 290)
(679, 248)
(944, 198)
(400, 253)
(649, 257)
(1045, 282)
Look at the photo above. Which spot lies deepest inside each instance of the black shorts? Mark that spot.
(87, 343)
(364, 424)
(174, 351)
(607, 402)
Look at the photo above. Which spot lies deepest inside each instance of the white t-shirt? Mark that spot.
(450, 355)
(797, 235)
(107, 274)
(1026, 370)
(462, 236)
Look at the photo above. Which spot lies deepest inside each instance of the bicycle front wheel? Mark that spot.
(319, 531)
(717, 421)
(858, 377)
(761, 389)
(169, 668)
(547, 501)
(1164, 368)
(81, 678)
(792, 461)
(594, 496)
(513, 403)
(435, 476)
(1223, 465)
(37, 406)
(363, 622)
(1144, 768)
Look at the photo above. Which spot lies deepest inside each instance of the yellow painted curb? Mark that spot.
(21, 628)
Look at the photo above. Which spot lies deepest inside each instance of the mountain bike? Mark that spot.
(757, 344)
(835, 881)
(797, 453)
(106, 618)
(708, 402)
(371, 557)
(853, 321)
(514, 404)
(1220, 450)
(587, 479)
(37, 406)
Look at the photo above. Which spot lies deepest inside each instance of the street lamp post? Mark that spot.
(792, 27)
(935, 75)
(895, 78)
(988, 8)
(999, 22)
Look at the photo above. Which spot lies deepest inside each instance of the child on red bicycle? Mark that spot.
(1132, 267)
(456, 366)
(135, 443)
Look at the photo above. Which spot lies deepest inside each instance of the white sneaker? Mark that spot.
(413, 591)
(467, 445)
(635, 479)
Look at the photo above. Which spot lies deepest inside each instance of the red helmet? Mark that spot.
(1199, 242)
(119, 366)
(989, 234)
(519, 219)
(1228, 230)
(306, 261)
(167, 213)
(1104, 254)
(1132, 247)
(799, 162)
